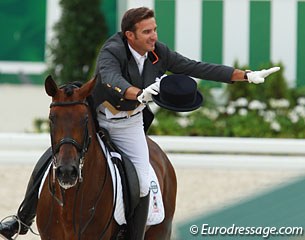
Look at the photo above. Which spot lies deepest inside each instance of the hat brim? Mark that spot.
(184, 108)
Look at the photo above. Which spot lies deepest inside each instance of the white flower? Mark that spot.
(279, 103)
(269, 116)
(261, 113)
(210, 113)
(221, 109)
(301, 101)
(231, 110)
(293, 116)
(183, 122)
(300, 110)
(232, 104)
(243, 112)
(241, 102)
(275, 126)
(256, 105)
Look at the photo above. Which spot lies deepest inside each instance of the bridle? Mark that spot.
(81, 148)
(80, 205)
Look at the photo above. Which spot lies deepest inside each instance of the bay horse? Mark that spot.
(76, 199)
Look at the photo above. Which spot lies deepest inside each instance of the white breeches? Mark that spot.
(128, 134)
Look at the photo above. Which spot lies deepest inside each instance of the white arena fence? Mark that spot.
(212, 152)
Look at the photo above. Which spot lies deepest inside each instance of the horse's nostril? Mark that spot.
(74, 172)
(67, 173)
(59, 172)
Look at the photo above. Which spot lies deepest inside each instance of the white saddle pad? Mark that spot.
(156, 209)
(156, 212)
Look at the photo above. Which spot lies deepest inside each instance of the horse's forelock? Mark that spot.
(69, 88)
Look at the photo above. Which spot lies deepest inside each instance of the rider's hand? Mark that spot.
(259, 76)
(144, 96)
(158, 79)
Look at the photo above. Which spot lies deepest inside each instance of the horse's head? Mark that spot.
(70, 134)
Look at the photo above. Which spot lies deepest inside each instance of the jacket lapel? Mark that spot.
(134, 73)
(149, 73)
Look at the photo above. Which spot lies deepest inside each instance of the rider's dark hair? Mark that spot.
(133, 16)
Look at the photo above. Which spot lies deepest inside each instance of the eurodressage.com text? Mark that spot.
(265, 232)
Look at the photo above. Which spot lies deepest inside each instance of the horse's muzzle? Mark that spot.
(67, 176)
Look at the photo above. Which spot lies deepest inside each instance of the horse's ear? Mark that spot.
(50, 86)
(87, 88)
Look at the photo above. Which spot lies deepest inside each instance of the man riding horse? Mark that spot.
(127, 68)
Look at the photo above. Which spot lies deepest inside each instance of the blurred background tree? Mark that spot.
(79, 34)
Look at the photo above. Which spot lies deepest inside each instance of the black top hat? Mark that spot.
(178, 93)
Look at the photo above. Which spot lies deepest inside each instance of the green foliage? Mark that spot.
(275, 86)
(41, 125)
(78, 36)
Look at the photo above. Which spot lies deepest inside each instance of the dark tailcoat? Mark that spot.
(116, 70)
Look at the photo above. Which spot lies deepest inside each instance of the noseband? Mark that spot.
(81, 148)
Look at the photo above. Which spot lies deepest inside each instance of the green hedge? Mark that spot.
(269, 110)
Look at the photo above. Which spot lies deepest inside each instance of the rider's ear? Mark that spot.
(50, 86)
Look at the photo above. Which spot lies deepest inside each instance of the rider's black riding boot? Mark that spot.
(137, 229)
(27, 210)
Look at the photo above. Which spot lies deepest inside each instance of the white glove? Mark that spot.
(259, 76)
(158, 79)
(145, 95)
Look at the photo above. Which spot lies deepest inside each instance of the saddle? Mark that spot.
(128, 174)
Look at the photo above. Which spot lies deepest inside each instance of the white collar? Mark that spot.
(136, 55)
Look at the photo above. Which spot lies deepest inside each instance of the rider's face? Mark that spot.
(144, 38)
